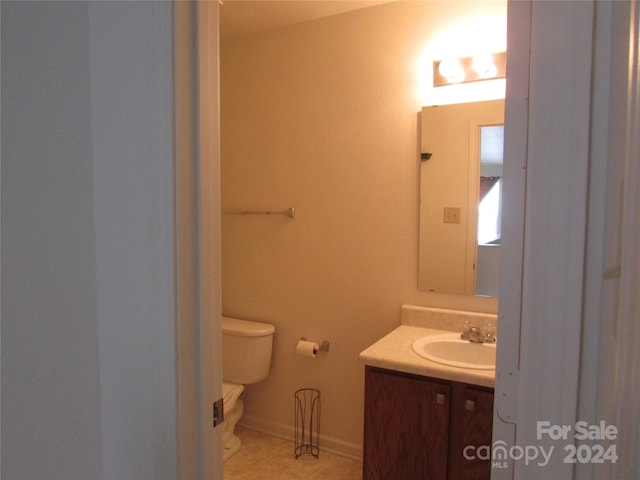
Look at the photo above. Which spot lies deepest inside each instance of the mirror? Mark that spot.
(460, 190)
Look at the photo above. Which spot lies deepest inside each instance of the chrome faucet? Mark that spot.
(476, 335)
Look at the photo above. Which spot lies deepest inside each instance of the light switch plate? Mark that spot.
(451, 215)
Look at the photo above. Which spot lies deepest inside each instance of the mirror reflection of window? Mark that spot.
(490, 191)
(489, 216)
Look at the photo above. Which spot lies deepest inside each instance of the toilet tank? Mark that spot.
(246, 350)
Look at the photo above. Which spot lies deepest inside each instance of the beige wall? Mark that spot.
(324, 117)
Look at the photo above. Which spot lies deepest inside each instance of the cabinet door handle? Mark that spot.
(470, 405)
(440, 398)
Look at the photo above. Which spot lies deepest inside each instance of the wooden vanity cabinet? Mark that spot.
(471, 424)
(416, 428)
(406, 427)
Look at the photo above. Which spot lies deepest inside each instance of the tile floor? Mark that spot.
(264, 457)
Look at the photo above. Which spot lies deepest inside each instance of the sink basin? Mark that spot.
(449, 349)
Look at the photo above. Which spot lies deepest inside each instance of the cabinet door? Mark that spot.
(406, 427)
(471, 426)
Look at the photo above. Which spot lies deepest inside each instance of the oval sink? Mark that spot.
(449, 349)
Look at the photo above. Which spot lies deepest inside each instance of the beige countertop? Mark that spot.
(394, 352)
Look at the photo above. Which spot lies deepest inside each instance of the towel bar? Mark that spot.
(289, 212)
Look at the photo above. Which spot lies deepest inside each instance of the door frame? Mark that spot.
(197, 238)
(549, 356)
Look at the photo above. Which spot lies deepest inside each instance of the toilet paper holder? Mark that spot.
(322, 347)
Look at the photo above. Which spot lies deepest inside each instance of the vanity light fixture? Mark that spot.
(469, 69)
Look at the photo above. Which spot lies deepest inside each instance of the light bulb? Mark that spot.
(451, 70)
(484, 66)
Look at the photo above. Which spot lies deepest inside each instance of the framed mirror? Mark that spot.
(460, 198)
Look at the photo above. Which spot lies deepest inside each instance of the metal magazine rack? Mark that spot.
(307, 412)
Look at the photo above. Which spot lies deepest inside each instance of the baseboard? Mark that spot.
(287, 432)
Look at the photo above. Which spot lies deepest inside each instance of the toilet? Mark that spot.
(246, 359)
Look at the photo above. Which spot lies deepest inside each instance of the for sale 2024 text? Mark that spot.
(589, 452)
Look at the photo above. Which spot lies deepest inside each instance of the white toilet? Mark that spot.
(246, 358)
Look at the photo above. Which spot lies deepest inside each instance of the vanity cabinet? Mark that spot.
(416, 428)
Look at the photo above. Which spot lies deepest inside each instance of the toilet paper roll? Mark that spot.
(307, 349)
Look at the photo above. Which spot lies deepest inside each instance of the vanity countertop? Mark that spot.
(394, 352)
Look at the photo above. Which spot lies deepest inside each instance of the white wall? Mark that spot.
(51, 408)
(88, 351)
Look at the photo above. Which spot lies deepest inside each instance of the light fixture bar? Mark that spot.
(469, 69)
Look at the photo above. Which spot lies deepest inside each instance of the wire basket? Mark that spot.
(307, 412)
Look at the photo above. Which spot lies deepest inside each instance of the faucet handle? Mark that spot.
(466, 331)
(489, 334)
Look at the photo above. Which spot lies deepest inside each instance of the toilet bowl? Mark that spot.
(246, 359)
(233, 410)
